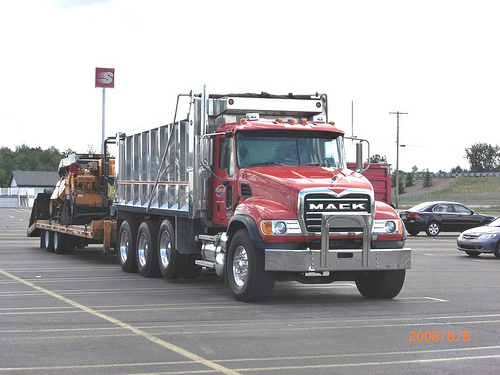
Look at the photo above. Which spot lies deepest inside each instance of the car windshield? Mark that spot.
(264, 148)
(495, 223)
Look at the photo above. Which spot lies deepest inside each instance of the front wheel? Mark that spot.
(497, 251)
(381, 284)
(246, 273)
(473, 254)
(433, 229)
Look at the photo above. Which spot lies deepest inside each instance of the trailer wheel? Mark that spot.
(60, 241)
(42, 240)
(126, 246)
(49, 241)
(381, 284)
(147, 258)
(246, 275)
(171, 262)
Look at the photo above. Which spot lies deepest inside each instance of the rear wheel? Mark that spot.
(381, 284)
(126, 246)
(42, 240)
(147, 249)
(246, 273)
(413, 232)
(171, 262)
(433, 229)
(49, 241)
(64, 243)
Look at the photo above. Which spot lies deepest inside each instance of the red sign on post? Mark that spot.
(105, 77)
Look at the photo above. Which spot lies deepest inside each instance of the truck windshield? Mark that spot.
(263, 148)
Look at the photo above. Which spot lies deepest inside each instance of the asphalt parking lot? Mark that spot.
(80, 314)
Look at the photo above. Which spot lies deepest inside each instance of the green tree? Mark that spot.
(428, 179)
(409, 180)
(483, 157)
(25, 158)
(378, 159)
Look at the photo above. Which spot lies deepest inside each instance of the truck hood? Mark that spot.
(282, 184)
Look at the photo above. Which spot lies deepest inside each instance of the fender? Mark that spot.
(244, 222)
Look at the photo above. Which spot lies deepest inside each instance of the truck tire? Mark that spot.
(126, 246)
(381, 284)
(49, 241)
(147, 249)
(246, 273)
(171, 262)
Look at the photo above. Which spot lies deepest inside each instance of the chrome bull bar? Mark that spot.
(326, 259)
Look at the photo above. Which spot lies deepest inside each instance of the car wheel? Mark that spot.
(473, 254)
(433, 229)
(497, 251)
(413, 232)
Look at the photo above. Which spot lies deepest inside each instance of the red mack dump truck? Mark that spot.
(252, 186)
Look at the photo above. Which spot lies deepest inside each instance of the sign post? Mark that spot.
(105, 78)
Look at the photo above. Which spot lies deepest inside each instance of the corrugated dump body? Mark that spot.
(155, 168)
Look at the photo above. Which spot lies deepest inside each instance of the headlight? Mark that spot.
(487, 236)
(392, 226)
(280, 228)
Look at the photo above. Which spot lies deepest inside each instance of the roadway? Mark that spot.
(80, 314)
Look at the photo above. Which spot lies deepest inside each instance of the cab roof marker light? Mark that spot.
(243, 120)
(252, 117)
(291, 121)
(303, 121)
(278, 120)
(332, 123)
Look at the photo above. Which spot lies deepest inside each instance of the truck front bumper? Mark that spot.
(325, 259)
(336, 260)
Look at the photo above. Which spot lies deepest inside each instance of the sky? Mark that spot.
(438, 61)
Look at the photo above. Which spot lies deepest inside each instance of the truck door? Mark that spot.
(224, 194)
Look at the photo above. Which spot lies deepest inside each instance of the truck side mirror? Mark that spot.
(206, 151)
(359, 156)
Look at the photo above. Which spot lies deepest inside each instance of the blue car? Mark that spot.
(485, 239)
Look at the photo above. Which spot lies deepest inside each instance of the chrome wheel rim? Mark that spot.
(165, 249)
(124, 244)
(142, 249)
(240, 266)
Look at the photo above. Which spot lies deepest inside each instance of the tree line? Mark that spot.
(25, 158)
(482, 157)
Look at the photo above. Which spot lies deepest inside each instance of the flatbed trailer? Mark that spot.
(69, 237)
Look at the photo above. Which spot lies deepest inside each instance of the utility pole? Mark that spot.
(397, 154)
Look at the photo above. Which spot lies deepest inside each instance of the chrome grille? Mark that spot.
(317, 204)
